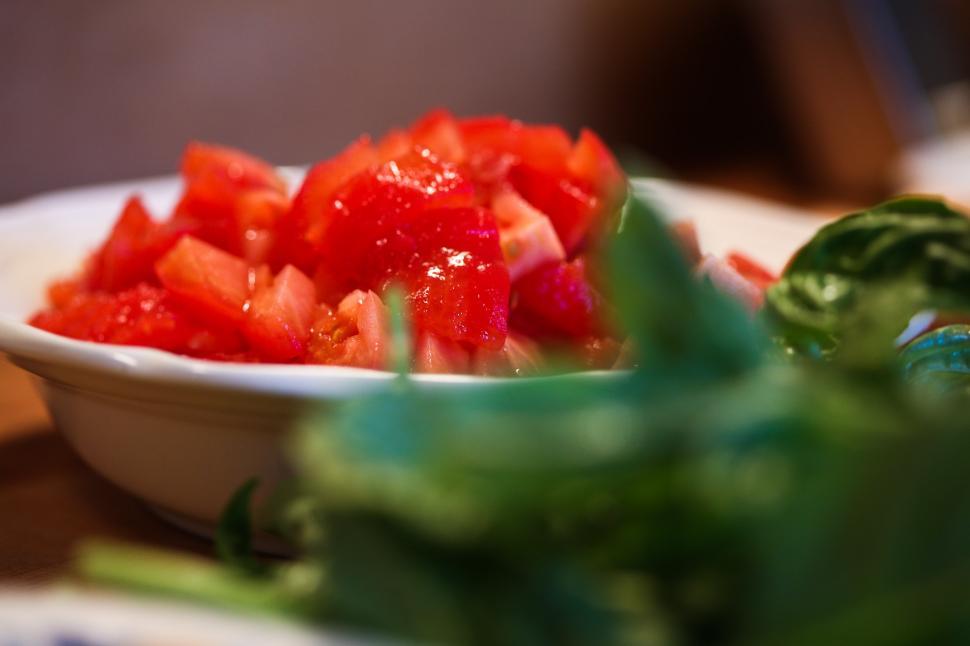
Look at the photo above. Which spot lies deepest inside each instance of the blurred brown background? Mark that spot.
(805, 100)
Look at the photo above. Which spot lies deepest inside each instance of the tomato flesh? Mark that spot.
(570, 207)
(362, 238)
(592, 162)
(314, 199)
(558, 300)
(128, 255)
(457, 283)
(144, 315)
(527, 236)
(355, 334)
(210, 282)
(279, 316)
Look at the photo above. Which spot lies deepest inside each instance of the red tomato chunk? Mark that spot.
(483, 224)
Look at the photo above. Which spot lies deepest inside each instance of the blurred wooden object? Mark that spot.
(840, 120)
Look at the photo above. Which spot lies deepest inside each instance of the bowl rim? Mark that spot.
(24, 343)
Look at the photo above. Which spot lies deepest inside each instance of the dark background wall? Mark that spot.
(109, 89)
(97, 90)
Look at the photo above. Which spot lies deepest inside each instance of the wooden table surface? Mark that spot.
(50, 500)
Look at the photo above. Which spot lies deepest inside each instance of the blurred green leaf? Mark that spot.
(721, 493)
(233, 536)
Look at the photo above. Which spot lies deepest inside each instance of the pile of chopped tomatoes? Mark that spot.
(484, 224)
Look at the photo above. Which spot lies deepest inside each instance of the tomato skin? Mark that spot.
(558, 301)
(571, 208)
(128, 256)
(457, 283)
(210, 282)
(312, 201)
(279, 316)
(362, 238)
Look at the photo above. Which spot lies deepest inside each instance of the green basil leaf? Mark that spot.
(917, 241)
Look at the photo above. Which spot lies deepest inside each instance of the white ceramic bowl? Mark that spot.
(182, 433)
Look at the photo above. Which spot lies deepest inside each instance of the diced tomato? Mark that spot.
(571, 208)
(128, 255)
(592, 162)
(60, 292)
(489, 172)
(216, 179)
(475, 220)
(434, 354)
(491, 132)
(457, 283)
(314, 199)
(558, 300)
(527, 236)
(227, 169)
(396, 143)
(329, 288)
(362, 238)
(356, 334)
(438, 131)
(144, 315)
(545, 147)
(279, 316)
(257, 213)
(260, 277)
(752, 270)
(213, 284)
